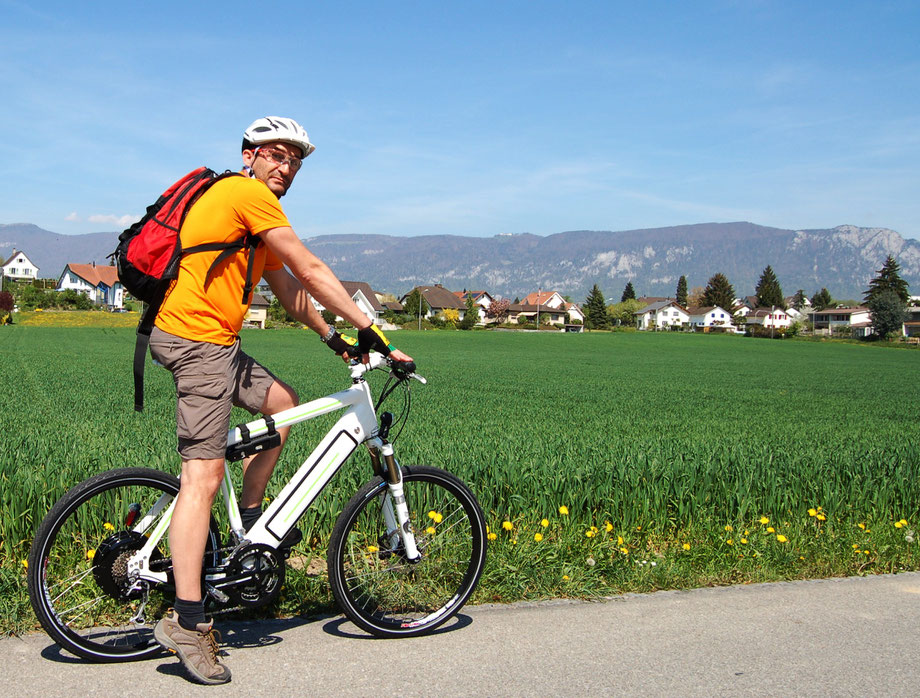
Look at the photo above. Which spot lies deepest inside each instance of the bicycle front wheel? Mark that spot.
(78, 576)
(376, 587)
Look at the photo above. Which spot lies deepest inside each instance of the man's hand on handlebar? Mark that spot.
(370, 338)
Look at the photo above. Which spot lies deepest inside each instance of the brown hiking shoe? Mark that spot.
(197, 649)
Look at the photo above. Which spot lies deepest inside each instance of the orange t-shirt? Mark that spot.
(224, 213)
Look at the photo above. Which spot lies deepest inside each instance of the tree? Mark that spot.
(888, 312)
(719, 292)
(498, 310)
(695, 297)
(595, 310)
(822, 299)
(471, 315)
(6, 301)
(413, 301)
(768, 291)
(888, 279)
(798, 301)
(628, 293)
(681, 295)
(623, 313)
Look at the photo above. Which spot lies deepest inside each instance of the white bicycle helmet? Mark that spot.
(272, 129)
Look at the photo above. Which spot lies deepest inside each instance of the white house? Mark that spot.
(709, 316)
(548, 301)
(769, 317)
(858, 319)
(481, 299)
(99, 283)
(364, 297)
(661, 315)
(19, 266)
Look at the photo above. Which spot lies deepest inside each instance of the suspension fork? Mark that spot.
(395, 509)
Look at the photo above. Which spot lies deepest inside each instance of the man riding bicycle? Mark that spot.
(196, 337)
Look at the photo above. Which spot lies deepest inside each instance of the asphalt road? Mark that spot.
(840, 637)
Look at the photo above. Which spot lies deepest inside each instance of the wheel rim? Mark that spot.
(90, 601)
(381, 586)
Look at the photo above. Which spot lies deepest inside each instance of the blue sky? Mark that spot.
(473, 118)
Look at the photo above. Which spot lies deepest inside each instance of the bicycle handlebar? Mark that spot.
(401, 369)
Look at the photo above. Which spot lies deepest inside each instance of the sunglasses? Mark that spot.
(280, 158)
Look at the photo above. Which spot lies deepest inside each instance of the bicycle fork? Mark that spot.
(395, 508)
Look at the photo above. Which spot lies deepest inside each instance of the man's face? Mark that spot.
(263, 163)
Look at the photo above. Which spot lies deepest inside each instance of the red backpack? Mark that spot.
(150, 251)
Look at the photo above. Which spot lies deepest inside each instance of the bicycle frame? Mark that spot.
(357, 425)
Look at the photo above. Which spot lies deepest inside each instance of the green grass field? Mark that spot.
(680, 460)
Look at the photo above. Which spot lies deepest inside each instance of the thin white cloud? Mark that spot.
(72, 216)
(109, 218)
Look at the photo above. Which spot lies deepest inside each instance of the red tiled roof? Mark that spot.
(94, 275)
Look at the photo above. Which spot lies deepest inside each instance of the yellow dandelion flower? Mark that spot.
(589, 533)
(487, 528)
(594, 528)
(564, 510)
(432, 514)
(619, 540)
(514, 542)
(812, 512)
(372, 548)
(438, 518)
(744, 541)
(25, 563)
(728, 527)
(903, 522)
(544, 523)
(821, 517)
(686, 546)
(430, 530)
(266, 500)
(608, 527)
(855, 546)
(108, 527)
(538, 537)
(507, 525)
(638, 528)
(897, 524)
(764, 520)
(90, 554)
(862, 526)
(493, 536)
(770, 529)
(730, 542)
(865, 552)
(625, 551)
(781, 538)
(565, 577)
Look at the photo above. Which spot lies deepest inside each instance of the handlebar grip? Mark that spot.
(403, 366)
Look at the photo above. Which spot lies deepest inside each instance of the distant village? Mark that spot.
(435, 303)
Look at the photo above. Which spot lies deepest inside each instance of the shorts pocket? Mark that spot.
(203, 406)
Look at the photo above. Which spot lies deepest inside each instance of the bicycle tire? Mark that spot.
(380, 591)
(77, 563)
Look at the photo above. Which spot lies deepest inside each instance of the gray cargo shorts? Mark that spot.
(210, 380)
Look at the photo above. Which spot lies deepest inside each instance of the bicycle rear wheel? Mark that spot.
(376, 587)
(78, 579)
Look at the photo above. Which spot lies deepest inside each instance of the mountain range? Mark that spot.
(841, 259)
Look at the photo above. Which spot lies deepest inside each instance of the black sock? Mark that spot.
(250, 516)
(191, 613)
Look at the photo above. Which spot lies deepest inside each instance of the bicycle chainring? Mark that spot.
(260, 570)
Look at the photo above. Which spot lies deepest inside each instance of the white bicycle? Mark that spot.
(404, 555)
